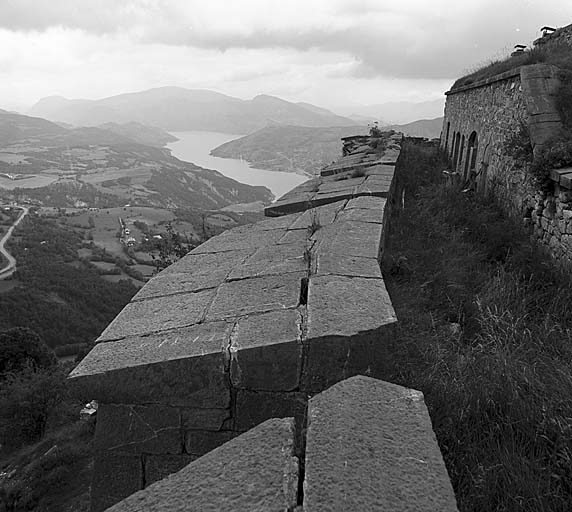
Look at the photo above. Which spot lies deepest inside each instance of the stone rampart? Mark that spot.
(353, 461)
(483, 120)
(246, 328)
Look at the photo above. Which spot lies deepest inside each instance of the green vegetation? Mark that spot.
(45, 451)
(556, 153)
(22, 348)
(59, 296)
(172, 247)
(558, 55)
(485, 333)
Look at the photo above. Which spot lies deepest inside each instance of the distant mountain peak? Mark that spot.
(174, 108)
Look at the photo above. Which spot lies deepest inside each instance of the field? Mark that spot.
(122, 241)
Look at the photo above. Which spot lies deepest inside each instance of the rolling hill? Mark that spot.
(50, 165)
(307, 150)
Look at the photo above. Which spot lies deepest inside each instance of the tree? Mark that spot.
(22, 348)
(27, 398)
(172, 247)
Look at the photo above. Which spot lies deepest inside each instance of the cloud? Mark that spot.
(411, 38)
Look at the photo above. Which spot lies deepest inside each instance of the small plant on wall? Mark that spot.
(557, 154)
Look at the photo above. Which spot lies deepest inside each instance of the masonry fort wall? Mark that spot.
(481, 118)
(246, 328)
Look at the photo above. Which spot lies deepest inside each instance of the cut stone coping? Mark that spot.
(328, 191)
(507, 75)
(235, 313)
(255, 471)
(562, 176)
(370, 446)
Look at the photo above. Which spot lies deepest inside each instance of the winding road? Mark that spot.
(8, 270)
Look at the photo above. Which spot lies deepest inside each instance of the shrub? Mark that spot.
(26, 400)
(21, 348)
(555, 155)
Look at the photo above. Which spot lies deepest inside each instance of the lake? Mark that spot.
(195, 147)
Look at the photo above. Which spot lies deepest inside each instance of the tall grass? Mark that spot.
(558, 55)
(486, 333)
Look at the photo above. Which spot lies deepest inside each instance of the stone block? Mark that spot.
(350, 322)
(366, 202)
(200, 442)
(266, 351)
(381, 170)
(138, 429)
(290, 205)
(178, 367)
(346, 185)
(350, 238)
(375, 187)
(283, 222)
(370, 446)
(566, 180)
(235, 239)
(294, 236)
(176, 283)
(255, 407)
(158, 314)
(115, 476)
(203, 419)
(269, 267)
(336, 264)
(276, 253)
(205, 263)
(158, 467)
(374, 215)
(322, 215)
(256, 295)
(255, 471)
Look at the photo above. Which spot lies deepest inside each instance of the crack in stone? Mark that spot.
(155, 433)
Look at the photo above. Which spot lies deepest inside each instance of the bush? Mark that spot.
(26, 400)
(555, 155)
(21, 348)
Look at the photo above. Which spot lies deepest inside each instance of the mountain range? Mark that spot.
(394, 112)
(179, 109)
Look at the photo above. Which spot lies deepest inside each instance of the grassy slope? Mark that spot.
(486, 333)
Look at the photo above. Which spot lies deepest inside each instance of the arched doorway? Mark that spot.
(457, 139)
(483, 169)
(447, 138)
(471, 161)
(461, 153)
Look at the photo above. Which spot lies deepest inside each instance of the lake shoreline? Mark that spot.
(196, 146)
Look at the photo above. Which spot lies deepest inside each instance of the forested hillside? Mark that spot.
(60, 297)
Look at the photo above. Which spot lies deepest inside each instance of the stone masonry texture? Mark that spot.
(243, 329)
(489, 113)
(257, 471)
(370, 446)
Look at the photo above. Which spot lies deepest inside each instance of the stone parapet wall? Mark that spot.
(353, 461)
(245, 328)
(562, 36)
(480, 119)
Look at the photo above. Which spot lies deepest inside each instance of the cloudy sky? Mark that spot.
(327, 52)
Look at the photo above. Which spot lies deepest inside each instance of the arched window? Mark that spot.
(457, 139)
